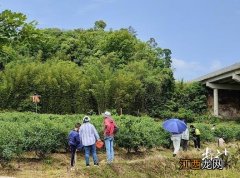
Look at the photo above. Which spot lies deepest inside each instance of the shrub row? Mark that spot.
(46, 133)
(228, 131)
(190, 116)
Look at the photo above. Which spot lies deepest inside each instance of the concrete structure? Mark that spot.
(225, 82)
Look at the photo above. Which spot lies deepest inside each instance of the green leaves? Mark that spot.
(44, 134)
(80, 70)
(44, 138)
(11, 141)
(11, 23)
(100, 25)
(188, 100)
(57, 82)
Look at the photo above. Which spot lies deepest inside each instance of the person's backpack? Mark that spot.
(115, 130)
(197, 131)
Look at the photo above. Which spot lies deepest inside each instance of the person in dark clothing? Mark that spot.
(74, 143)
(196, 136)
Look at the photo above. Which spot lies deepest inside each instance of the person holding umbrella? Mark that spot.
(176, 139)
(176, 127)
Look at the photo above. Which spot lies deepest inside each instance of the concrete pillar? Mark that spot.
(215, 101)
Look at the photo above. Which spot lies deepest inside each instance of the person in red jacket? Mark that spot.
(110, 128)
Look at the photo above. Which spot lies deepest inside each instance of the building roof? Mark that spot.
(220, 74)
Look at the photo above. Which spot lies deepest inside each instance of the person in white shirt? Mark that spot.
(176, 139)
(88, 136)
(185, 138)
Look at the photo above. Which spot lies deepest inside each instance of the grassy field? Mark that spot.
(155, 163)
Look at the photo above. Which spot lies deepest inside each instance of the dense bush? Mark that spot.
(182, 113)
(207, 118)
(227, 133)
(238, 135)
(140, 132)
(44, 138)
(45, 134)
(191, 96)
(11, 141)
(206, 133)
(81, 70)
(190, 117)
(189, 101)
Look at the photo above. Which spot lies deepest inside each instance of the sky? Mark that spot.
(203, 35)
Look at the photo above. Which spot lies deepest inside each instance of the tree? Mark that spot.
(100, 25)
(98, 81)
(122, 43)
(81, 70)
(152, 42)
(132, 31)
(190, 97)
(11, 24)
(127, 87)
(15, 30)
(56, 81)
(167, 57)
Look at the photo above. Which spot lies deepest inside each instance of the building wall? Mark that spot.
(229, 103)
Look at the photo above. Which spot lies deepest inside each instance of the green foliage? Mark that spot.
(11, 141)
(11, 25)
(58, 83)
(47, 133)
(207, 118)
(227, 133)
(238, 135)
(189, 101)
(100, 25)
(191, 96)
(44, 134)
(139, 132)
(206, 132)
(77, 71)
(44, 138)
(16, 34)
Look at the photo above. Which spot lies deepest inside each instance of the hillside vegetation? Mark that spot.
(89, 70)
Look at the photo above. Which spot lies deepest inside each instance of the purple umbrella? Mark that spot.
(174, 126)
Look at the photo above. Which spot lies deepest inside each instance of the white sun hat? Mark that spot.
(106, 114)
(86, 119)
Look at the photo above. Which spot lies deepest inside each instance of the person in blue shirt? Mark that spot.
(74, 142)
